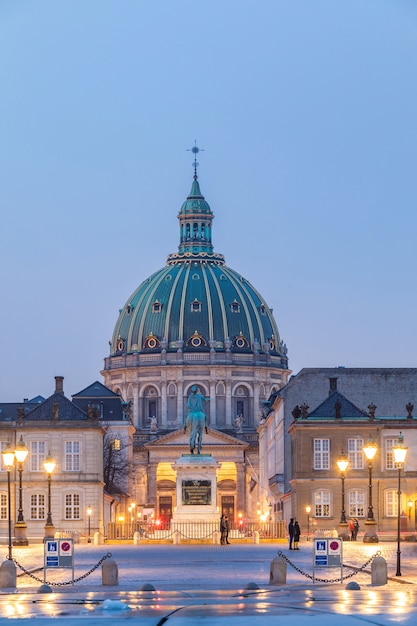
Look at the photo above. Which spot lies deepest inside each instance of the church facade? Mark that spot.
(196, 322)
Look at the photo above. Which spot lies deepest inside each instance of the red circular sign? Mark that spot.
(334, 545)
(65, 546)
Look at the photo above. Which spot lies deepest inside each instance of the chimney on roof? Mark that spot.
(59, 384)
(333, 385)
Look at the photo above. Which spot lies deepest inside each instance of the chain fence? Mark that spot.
(357, 570)
(64, 583)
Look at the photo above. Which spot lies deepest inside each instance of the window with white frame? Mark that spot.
(391, 502)
(3, 506)
(356, 503)
(322, 503)
(72, 506)
(72, 456)
(355, 453)
(37, 506)
(3, 446)
(389, 455)
(321, 454)
(37, 455)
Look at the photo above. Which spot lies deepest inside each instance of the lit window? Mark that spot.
(391, 503)
(3, 506)
(389, 455)
(116, 444)
(322, 503)
(356, 503)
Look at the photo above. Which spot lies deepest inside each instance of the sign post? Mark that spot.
(59, 553)
(328, 552)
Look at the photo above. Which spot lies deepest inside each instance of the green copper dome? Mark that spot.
(196, 303)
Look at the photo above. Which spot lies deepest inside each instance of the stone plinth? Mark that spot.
(196, 489)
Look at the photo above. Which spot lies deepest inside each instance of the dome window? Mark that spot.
(223, 277)
(129, 309)
(151, 342)
(195, 277)
(195, 306)
(235, 306)
(156, 307)
(272, 344)
(262, 309)
(196, 341)
(120, 346)
(240, 342)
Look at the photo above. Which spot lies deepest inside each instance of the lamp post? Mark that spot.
(20, 527)
(400, 452)
(49, 465)
(342, 464)
(370, 450)
(8, 460)
(308, 510)
(89, 511)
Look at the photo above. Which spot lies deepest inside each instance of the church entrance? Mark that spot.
(228, 507)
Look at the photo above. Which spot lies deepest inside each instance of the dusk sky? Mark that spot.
(307, 114)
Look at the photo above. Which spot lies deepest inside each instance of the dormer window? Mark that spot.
(195, 306)
(235, 306)
(262, 309)
(156, 307)
(240, 341)
(151, 342)
(129, 309)
(196, 341)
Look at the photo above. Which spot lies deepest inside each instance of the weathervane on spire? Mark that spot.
(195, 150)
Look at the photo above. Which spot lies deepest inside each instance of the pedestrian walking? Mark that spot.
(297, 533)
(352, 529)
(291, 533)
(355, 528)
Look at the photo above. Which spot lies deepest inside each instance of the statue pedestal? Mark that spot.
(196, 512)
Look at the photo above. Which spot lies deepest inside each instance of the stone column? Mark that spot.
(180, 403)
(228, 404)
(212, 402)
(164, 412)
(135, 416)
(152, 483)
(240, 489)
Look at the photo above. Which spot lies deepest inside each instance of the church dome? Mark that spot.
(196, 303)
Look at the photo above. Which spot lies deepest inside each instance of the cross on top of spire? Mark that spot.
(195, 150)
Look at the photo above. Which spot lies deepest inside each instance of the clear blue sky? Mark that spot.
(306, 111)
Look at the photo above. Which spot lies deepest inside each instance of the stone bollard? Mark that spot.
(278, 571)
(7, 574)
(96, 538)
(256, 536)
(216, 537)
(109, 572)
(176, 538)
(136, 538)
(379, 571)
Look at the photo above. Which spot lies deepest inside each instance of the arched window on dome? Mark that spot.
(240, 342)
(196, 341)
(235, 306)
(195, 230)
(151, 342)
(156, 307)
(242, 405)
(195, 306)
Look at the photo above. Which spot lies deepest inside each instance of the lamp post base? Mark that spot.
(49, 531)
(370, 535)
(344, 531)
(20, 538)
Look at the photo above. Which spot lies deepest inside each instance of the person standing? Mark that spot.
(355, 529)
(226, 533)
(291, 533)
(297, 533)
(222, 530)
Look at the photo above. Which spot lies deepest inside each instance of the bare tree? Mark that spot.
(117, 465)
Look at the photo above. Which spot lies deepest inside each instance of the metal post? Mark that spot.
(343, 514)
(9, 513)
(49, 517)
(398, 573)
(20, 514)
(370, 507)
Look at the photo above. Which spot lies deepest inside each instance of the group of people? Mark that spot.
(294, 533)
(354, 528)
(224, 530)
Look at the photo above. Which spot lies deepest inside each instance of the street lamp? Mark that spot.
(20, 539)
(399, 452)
(89, 511)
(370, 450)
(49, 465)
(8, 460)
(342, 464)
(308, 511)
